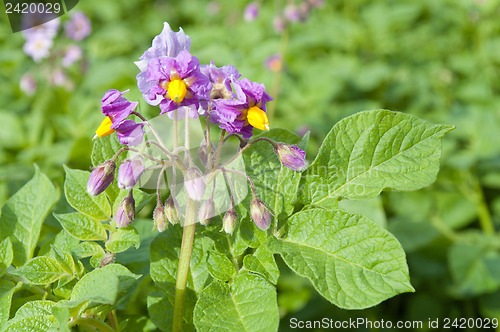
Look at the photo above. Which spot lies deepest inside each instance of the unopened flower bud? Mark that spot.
(159, 218)
(229, 221)
(292, 13)
(101, 177)
(107, 259)
(125, 213)
(194, 183)
(291, 156)
(171, 210)
(206, 212)
(260, 214)
(129, 173)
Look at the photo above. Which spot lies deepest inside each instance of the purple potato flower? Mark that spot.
(116, 109)
(177, 82)
(78, 27)
(36, 23)
(28, 84)
(241, 115)
(129, 173)
(221, 79)
(167, 43)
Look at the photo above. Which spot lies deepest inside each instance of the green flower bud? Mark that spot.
(206, 212)
(160, 218)
(229, 221)
(171, 210)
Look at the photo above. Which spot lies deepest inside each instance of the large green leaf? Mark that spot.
(23, 214)
(248, 304)
(373, 150)
(161, 308)
(123, 239)
(350, 259)
(82, 227)
(75, 189)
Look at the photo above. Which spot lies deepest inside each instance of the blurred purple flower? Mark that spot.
(221, 79)
(292, 13)
(166, 44)
(251, 12)
(58, 77)
(177, 82)
(279, 24)
(274, 63)
(78, 27)
(73, 53)
(28, 84)
(38, 46)
(235, 115)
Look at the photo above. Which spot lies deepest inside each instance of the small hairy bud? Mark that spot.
(107, 259)
(171, 210)
(291, 156)
(229, 221)
(125, 213)
(260, 214)
(101, 177)
(194, 183)
(129, 173)
(160, 218)
(206, 212)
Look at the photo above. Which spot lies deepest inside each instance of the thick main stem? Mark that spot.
(183, 268)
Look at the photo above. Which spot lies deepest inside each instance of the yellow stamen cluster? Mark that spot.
(257, 118)
(104, 128)
(177, 90)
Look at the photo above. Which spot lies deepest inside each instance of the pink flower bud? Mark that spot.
(194, 183)
(229, 221)
(101, 177)
(260, 214)
(291, 156)
(125, 213)
(159, 218)
(206, 212)
(251, 12)
(129, 173)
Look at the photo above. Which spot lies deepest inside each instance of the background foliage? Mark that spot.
(439, 60)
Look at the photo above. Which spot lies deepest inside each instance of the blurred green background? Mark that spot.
(437, 59)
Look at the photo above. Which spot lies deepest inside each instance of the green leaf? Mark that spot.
(350, 260)
(33, 316)
(470, 269)
(7, 289)
(220, 266)
(75, 189)
(86, 249)
(41, 270)
(123, 239)
(248, 304)
(6, 255)
(23, 214)
(373, 150)
(82, 227)
(262, 262)
(103, 285)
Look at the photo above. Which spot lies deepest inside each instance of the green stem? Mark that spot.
(183, 268)
(484, 214)
(101, 326)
